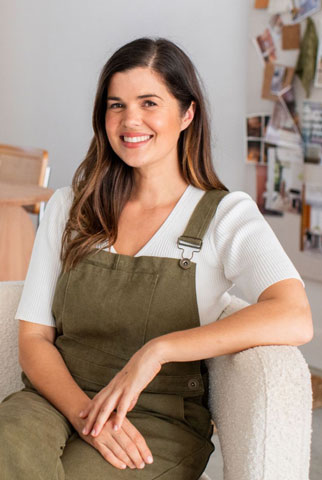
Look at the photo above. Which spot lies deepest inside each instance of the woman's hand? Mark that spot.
(124, 448)
(122, 393)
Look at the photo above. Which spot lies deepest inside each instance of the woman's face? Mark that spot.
(143, 121)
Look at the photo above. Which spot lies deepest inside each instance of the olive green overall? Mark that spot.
(106, 308)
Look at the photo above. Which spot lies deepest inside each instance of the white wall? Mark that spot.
(257, 23)
(52, 52)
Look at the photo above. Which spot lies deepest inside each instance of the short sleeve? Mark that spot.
(250, 253)
(45, 264)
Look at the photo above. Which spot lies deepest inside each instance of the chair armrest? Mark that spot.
(10, 372)
(261, 403)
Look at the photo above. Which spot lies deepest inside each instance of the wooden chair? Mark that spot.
(25, 165)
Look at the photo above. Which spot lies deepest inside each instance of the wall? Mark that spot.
(258, 20)
(52, 53)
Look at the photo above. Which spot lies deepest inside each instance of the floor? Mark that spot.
(215, 466)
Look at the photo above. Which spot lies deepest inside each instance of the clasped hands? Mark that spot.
(121, 394)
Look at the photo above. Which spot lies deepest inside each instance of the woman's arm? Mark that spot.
(282, 316)
(47, 371)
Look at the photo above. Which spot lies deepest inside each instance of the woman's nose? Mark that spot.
(131, 116)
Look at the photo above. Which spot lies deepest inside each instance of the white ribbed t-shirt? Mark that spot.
(239, 248)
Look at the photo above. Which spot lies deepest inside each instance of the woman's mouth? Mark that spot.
(134, 142)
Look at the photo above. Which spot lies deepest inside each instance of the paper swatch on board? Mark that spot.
(279, 6)
(285, 175)
(312, 131)
(282, 129)
(303, 9)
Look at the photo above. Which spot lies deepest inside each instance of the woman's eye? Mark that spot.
(114, 105)
(119, 105)
(150, 102)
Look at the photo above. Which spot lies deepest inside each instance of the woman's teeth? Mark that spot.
(137, 139)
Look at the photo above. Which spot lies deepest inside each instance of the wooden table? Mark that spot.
(17, 232)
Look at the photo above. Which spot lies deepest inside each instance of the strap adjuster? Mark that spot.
(192, 243)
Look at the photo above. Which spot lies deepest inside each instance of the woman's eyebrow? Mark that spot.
(140, 96)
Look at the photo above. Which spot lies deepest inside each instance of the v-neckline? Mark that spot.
(160, 229)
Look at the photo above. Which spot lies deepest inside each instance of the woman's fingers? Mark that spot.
(122, 403)
(139, 441)
(101, 419)
(119, 459)
(130, 448)
(122, 409)
(133, 403)
(99, 416)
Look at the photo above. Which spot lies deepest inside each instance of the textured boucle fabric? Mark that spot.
(260, 399)
(10, 293)
(261, 402)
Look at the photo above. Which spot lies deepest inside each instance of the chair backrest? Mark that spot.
(23, 165)
(42, 204)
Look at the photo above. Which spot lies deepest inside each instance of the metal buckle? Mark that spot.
(185, 262)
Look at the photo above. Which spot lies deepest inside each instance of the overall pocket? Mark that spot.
(108, 308)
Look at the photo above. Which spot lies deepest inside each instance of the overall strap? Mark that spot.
(198, 223)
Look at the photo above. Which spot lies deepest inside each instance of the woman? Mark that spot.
(114, 333)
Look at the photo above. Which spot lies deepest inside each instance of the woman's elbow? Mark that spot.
(305, 329)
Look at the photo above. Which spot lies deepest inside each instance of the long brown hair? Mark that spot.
(102, 183)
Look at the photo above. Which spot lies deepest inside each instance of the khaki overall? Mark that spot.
(106, 308)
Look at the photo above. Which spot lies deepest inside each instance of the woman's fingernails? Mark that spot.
(115, 428)
(80, 414)
(123, 466)
(142, 465)
(84, 431)
(93, 432)
(149, 459)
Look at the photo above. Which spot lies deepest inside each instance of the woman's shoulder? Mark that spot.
(61, 199)
(235, 211)
(231, 199)
(237, 201)
(57, 208)
(63, 194)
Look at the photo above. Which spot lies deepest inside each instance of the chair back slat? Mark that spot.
(23, 165)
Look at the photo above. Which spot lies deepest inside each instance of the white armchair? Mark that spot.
(260, 399)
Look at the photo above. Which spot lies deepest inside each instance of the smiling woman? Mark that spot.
(156, 146)
(140, 253)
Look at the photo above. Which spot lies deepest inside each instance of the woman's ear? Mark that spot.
(188, 116)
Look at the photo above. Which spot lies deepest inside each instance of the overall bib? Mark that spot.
(106, 308)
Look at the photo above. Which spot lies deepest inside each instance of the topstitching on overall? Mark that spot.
(106, 308)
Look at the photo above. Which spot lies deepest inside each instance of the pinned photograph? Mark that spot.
(265, 46)
(256, 126)
(283, 129)
(277, 82)
(311, 225)
(312, 131)
(261, 180)
(276, 78)
(253, 151)
(280, 6)
(285, 174)
(318, 68)
(276, 25)
(303, 9)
